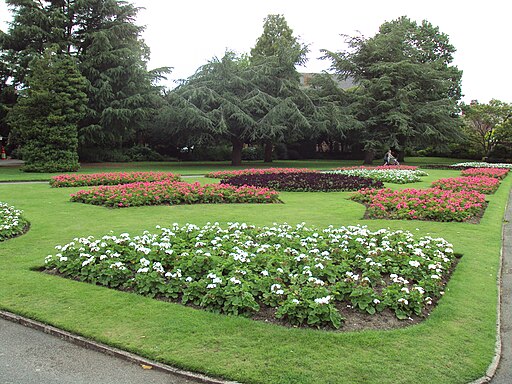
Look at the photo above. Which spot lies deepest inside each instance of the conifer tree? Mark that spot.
(46, 114)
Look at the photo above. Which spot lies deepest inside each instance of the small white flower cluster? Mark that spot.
(397, 176)
(481, 164)
(280, 262)
(11, 221)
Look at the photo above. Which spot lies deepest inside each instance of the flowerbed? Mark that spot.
(481, 184)
(12, 223)
(256, 171)
(172, 192)
(383, 167)
(309, 182)
(427, 204)
(304, 274)
(113, 178)
(498, 173)
(384, 174)
(481, 164)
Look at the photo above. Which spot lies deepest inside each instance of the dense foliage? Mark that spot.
(112, 178)
(12, 223)
(104, 40)
(46, 115)
(306, 274)
(172, 192)
(310, 182)
(407, 87)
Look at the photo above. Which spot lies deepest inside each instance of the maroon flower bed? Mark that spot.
(305, 182)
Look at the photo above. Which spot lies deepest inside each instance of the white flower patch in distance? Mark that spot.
(12, 223)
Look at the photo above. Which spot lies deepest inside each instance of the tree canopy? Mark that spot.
(408, 91)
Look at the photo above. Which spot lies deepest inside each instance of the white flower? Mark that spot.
(234, 280)
(376, 301)
(264, 273)
(404, 301)
(414, 263)
(211, 286)
(435, 277)
(295, 301)
(323, 300)
(188, 279)
(275, 287)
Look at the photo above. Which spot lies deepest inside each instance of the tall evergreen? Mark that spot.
(277, 45)
(103, 37)
(46, 114)
(408, 89)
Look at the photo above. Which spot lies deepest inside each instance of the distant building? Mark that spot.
(305, 80)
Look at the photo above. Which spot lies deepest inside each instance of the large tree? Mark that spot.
(277, 43)
(408, 89)
(106, 42)
(485, 124)
(47, 112)
(224, 101)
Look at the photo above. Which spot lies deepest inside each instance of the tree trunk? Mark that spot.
(401, 156)
(267, 158)
(236, 154)
(368, 157)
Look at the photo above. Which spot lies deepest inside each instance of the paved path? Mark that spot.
(504, 372)
(29, 356)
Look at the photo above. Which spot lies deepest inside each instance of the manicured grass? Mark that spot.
(454, 345)
(200, 168)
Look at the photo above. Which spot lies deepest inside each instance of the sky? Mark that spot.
(187, 34)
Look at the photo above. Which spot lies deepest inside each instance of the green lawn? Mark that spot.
(198, 168)
(454, 345)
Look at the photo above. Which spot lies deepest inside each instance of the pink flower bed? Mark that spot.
(498, 173)
(421, 204)
(256, 171)
(402, 167)
(113, 178)
(481, 184)
(172, 192)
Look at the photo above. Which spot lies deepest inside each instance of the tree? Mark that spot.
(486, 123)
(277, 42)
(408, 91)
(103, 37)
(223, 101)
(46, 114)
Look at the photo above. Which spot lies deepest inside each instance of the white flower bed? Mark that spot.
(397, 176)
(11, 221)
(306, 274)
(481, 164)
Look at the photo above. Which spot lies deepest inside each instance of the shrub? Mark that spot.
(481, 184)
(310, 182)
(255, 171)
(421, 204)
(113, 178)
(172, 192)
(306, 274)
(12, 223)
